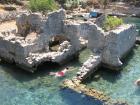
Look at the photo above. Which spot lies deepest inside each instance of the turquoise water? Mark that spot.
(18, 87)
(120, 85)
(135, 21)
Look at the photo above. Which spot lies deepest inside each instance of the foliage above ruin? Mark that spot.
(42, 5)
(112, 22)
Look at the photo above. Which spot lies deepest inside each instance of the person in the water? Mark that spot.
(137, 82)
(59, 73)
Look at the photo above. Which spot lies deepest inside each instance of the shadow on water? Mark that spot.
(110, 75)
(129, 56)
(71, 98)
(104, 74)
(42, 71)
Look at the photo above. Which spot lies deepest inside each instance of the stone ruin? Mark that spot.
(108, 47)
(29, 46)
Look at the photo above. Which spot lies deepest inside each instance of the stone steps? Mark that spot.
(89, 67)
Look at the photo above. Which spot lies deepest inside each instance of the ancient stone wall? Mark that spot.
(112, 45)
(54, 23)
(118, 43)
(27, 23)
(72, 31)
(30, 45)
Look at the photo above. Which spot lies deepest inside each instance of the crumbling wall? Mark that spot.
(72, 31)
(96, 39)
(27, 23)
(52, 26)
(54, 23)
(118, 43)
(30, 46)
(113, 44)
(95, 35)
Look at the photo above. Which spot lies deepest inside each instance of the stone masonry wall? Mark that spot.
(118, 43)
(111, 45)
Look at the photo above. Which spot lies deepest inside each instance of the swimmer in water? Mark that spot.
(59, 73)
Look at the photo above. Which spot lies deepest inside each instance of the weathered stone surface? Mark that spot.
(113, 44)
(118, 43)
(30, 46)
(54, 23)
(72, 31)
(27, 23)
(89, 67)
(96, 39)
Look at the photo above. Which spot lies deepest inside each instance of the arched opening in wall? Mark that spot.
(55, 41)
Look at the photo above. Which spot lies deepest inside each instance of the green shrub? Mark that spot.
(42, 5)
(112, 22)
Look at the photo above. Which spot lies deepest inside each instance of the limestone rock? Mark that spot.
(28, 22)
(118, 43)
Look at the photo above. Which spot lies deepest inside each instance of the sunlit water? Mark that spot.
(121, 85)
(18, 87)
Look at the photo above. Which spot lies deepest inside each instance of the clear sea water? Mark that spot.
(120, 85)
(18, 87)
